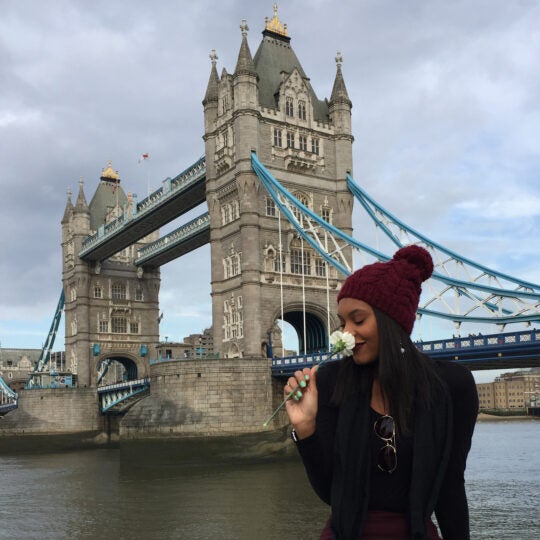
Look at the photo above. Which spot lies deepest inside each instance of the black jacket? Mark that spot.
(337, 457)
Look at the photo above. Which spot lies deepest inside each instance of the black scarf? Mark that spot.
(352, 463)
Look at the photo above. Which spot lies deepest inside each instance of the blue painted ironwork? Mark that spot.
(135, 223)
(103, 368)
(478, 352)
(468, 292)
(9, 399)
(178, 242)
(45, 354)
(116, 398)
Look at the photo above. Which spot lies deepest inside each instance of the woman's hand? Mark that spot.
(302, 409)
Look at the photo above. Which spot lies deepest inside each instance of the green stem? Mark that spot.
(291, 393)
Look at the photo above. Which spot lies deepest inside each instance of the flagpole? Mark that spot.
(142, 159)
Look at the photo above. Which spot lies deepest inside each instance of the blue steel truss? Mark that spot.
(116, 398)
(45, 353)
(460, 290)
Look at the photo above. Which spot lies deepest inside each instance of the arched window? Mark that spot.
(289, 106)
(302, 109)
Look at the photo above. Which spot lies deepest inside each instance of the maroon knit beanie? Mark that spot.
(393, 286)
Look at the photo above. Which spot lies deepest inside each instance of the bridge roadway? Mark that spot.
(494, 351)
(186, 238)
(176, 197)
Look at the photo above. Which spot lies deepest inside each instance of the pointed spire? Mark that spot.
(212, 88)
(245, 61)
(69, 208)
(339, 91)
(81, 205)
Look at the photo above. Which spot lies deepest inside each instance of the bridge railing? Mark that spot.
(168, 189)
(123, 385)
(300, 361)
(456, 346)
(479, 341)
(177, 235)
(116, 395)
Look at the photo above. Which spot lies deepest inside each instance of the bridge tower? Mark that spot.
(111, 306)
(269, 106)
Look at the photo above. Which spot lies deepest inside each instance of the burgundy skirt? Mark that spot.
(385, 526)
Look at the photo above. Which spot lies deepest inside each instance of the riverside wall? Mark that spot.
(54, 411)
(207, 397)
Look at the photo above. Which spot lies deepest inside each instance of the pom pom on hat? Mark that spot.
(393, 286)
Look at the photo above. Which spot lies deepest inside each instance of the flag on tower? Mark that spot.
(143, 157)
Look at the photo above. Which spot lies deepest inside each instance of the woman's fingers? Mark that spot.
(298, 384)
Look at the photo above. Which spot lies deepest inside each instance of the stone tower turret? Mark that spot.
(111, 306)
(269, 106)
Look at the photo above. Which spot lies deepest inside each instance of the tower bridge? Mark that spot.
(277, 180)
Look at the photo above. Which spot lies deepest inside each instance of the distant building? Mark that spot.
(17, 364)
(194, 346)
(515, 390)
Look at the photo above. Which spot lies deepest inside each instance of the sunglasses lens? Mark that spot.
(387, 458)
(384, 427)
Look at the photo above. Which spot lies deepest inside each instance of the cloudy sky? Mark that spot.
(446, 120)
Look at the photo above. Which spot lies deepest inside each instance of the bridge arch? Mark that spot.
(316, 325)
(132, 368)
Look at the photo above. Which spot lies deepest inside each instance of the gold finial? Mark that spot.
(213, 56)
(339, 59)
(110, 173)
(275, 25)
(244, 27)
(81, 182)
(69, 193)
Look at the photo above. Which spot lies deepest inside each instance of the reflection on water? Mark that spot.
(233, 489)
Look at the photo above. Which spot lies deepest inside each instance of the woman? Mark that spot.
(384, 434)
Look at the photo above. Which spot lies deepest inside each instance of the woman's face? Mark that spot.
(358, 319)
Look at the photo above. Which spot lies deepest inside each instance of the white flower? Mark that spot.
(342, 342)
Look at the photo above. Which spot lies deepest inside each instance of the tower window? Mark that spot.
(138, 294)
(277, 266)
(134, 327)
(315, 146)
(289, 106)
(296, 262)
(119, 325)
(103, 327)
(320, 267)
(98, 293)
(302, 140)
(118, 292)
(302, 110)
(277, 138)
(325, 214)
(270, 207)
(290, 139)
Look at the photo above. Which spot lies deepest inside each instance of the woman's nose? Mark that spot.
(349, 327)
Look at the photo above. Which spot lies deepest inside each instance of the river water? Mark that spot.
(233, 489)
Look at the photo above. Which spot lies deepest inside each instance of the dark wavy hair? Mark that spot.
(406, 378)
